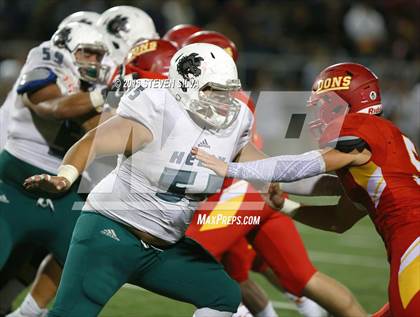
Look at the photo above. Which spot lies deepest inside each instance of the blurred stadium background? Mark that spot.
(282, 45)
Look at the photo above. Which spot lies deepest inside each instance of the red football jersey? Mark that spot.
(389, 184)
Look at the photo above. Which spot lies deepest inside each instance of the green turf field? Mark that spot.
(356, 258)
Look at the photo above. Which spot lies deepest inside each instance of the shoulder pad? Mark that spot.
(36, 79)
(346, 144)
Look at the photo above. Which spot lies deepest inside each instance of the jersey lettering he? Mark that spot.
(190, 160)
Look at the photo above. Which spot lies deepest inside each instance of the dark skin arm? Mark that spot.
(49, 103)
(341, 217)
(338, 218)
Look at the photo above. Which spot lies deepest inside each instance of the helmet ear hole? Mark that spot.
(372, 95)
(116, 46)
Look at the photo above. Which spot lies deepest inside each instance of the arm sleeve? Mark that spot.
(285, 168)
(347, 144)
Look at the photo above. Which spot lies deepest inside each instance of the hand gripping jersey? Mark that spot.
(389, 184)
(28, 135)
(158, 188)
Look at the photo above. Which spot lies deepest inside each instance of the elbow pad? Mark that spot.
(346, 144)
(36, 79)
(284, 168)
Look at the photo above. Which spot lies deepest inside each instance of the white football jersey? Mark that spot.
(4, 120)
(28, 135)
(158, 188)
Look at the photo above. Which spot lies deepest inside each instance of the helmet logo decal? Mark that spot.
(333, 83)
(376, 109)
(189, 65)
(146, 47)
(85, 21)
(117, 24)
(62, 38)
(372, 95)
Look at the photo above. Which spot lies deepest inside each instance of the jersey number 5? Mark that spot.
(178, 181)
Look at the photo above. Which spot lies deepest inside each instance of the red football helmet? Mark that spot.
(215, 38)
(343, 88)
(151, 55)
(179, 33)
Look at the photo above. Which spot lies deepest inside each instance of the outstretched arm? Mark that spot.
(285, 168)
(338, 218)
(114, 136)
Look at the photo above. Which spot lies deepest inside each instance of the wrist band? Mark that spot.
(290, 207)
(97, 100)
(69, 172)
